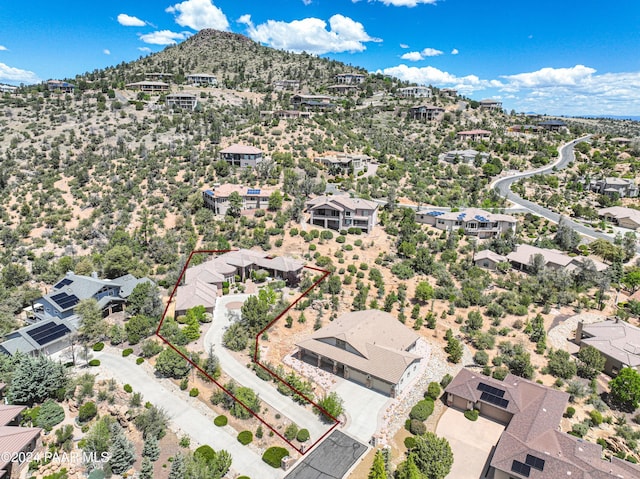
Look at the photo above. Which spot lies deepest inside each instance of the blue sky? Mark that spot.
(547, 56)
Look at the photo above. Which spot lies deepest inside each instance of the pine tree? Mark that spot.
(377, 470)
(151, 448)
(177, 467)
(146, 472)
(122, 451)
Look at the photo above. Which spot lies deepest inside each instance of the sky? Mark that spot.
(559, 57)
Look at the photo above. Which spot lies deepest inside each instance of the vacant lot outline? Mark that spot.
(302, 449)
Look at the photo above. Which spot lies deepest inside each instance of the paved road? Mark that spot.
(303, 417)
(187, 414)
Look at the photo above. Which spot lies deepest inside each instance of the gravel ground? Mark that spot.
(558, 336)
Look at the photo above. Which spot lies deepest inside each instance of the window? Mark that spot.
(341, 344)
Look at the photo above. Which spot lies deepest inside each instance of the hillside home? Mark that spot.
(242, 155)
(285, 114)
(8, 88)
(184, 101)
(618, 341)
(523, 256)
(615, 187)
(488, 259)
(312, 102)
(463, 156)
(157, 76)
(490, 104)
(523, 129)
(623, 217)
(414, 92)
(350, 78)
(474, 135)
(286, 85)
(473, 221)
(202, 79)
(59, 86)
(196, 293)
(148, 86)
(343, 89)
(553, 125)
(371, 348)
(344, 163)
(17, 443)
(448, 92)
(426, 112)
(342, 212)
(217, 198)
(531, 446)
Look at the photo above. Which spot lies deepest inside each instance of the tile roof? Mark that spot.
(237, 149)
(617, 339)
(224, 190)
(342, 202)
(194, 294)
(473, 214)
(9, 412)
(490, 255)
(14, 439)
(474, 132)
(524, 253)
(620, 212)
(379, 343)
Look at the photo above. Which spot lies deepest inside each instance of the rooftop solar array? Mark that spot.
(535, 462)
(461, 216)
(63, 283)
(65, 300)
(48, 332)
(435, 213)
(253, 192)
(495, 400)
(520, 468)
(481, 218)
(490, 389)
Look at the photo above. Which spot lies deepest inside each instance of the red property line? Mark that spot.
(302, 450)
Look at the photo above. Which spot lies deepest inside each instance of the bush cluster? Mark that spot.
(303, 435)
(274, 455)
(245, 437)
(94, 362)
(471, 414)
(220, 421)
(127, 352)
(98, 347)
(422, 410)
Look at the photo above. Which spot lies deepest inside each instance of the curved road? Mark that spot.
(565, 157)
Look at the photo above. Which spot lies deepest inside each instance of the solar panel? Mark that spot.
(58, 332)
(65, 300)
(63, 283)
(253, 192)
(520, 468)
(495, 400)
(39, 329)
(535, 462)
(49, 332)
(490, 389)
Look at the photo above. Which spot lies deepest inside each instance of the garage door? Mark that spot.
(495, 413)
(382, 386)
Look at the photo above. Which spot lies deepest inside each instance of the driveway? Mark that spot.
(471, 442)
(187, 415)
(303, 417)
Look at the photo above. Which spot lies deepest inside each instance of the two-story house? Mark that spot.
(217, 198)
(344, 163)
(474, 135)
(473, 221)
(185, 101)
(202, 79)
(426, 112)
(17, 443)
(286, 85)
(414, 92)
(343, 212)
(613, 186)
(242, 155)
(148, 86)
(312, 102)
(350, 78)
(490, 104)
(59, 86)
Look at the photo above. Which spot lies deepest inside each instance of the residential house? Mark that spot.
(342, 212)
(184, 101)
(463, 156)
(285, 114)
(217, 198)
(312, 102)
(474, 135)
(490, 104)
(473, 221)
(59, 86)
(350, 78)
(242, 155)
(157, 76)
(202, 79)
(414, 92)
(618, 341)
(45, 337)
(523, 256)
(286, 85)
(553, 125)
(343, 89)
(196, 293)
(8, 88)
(488, 259)
(426, 112)
(148, 86)
(615, 187)
(623, 217)
(17, 444)
(523, 129)
(531, 446)
(448, 92)
(344, 163)
(369, 347)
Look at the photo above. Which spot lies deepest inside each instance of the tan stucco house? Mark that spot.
(473, 221)
(343, 212)
(620, 216)
(618, 341)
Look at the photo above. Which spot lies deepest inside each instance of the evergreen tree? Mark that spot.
(177, 467)
(377, 470)
(122, 452)
(408, 469)
(146, 471)
(35, 379)
(151, 448)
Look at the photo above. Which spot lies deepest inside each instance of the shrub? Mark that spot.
(570, 412)
(446, 380)
(49, 414)
(422, 410)
(433, 391)
(417, 427)
(87, 411)
(245, 437)
(596, 417)
(98, 346)
(128, 388)
(579, 429)
(481, 358)
(303, 435)
(139, 361)
(185, 441)
(291, 432)
(471, 414)
(220, 420)
(500, 373)
(274, 455)
(127, 352)
(94, 362)
(205, 452)
(194, 392)
(410, 442)
(244, 477)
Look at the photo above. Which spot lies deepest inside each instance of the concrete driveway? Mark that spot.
(471, 442)
(363, 408)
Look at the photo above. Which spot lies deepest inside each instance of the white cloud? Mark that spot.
(17, 75)
(311, 34)
(307, 2)
(431, 52)
(163, 37)
(432, 76)
(144, 49)
(3, 48)
(106, 51)
(129, 21)
(199, 14)
(406, 3)
(404, 46)
(454, 51)
(412, 56)
(551, 77)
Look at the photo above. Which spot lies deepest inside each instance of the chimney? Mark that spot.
(94, 274)
(579, 332)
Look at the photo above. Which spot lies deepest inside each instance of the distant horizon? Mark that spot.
(546, 58)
